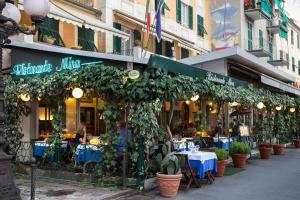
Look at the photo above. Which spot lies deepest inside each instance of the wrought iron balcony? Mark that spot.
(279, 58)
(259, 47)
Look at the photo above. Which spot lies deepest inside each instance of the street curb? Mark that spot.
(122, 194)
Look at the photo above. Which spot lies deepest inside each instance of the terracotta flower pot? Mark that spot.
(278, 149)
(239, 160)
(296, 143)
(76, 48)
(49, 41)
(221, 167)
(265, 152)
(168, 184)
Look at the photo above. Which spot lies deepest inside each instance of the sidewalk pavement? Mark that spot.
(59, 191)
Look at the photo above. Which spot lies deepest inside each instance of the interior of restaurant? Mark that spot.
(189, 119)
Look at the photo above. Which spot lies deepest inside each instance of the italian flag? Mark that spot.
(148, 17)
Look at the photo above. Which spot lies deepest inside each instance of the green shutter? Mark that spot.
(184, 53)
(178, 11)
(200, 26)
(86, 38)
(137, 35)
(158, 47)
(117, 40)
(169, 51)
(261, 40)
(299, 67)
(191, 17)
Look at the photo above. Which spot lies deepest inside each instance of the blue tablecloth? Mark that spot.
(87, 153)
(204, 167)
(40, 148)
(222, 145)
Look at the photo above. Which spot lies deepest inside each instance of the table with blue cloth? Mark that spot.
(203, 162)
(40, 148)
(87, 152)
(222, 142)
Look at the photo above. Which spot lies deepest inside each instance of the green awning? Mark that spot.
(281, 9)
(266, 6)
(172, 66)
(283, 33)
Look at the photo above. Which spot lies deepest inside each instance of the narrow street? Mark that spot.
(275, 179)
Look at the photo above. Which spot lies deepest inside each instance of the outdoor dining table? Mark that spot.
(40, 148)
(222, 142)
(87, 152)
(202, 162)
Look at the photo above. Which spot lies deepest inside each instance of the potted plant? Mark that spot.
(265, 150)
(239, 152)
(169, 177)
(48, 39)
(296, 143)
(76, 47)
(222, 156)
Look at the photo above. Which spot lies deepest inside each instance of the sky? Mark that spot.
(293, 7)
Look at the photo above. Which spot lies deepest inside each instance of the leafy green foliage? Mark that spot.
(222, 154)
(239, 147)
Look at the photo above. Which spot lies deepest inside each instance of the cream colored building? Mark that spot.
(185, 27)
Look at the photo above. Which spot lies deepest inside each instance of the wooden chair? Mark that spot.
(189, 173)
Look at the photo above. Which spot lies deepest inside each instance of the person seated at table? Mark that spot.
(81, 135)
(122, 143)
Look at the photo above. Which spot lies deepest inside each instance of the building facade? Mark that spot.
(261, 27)
(185, 27)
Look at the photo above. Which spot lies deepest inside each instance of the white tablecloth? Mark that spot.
(44, 144)
(87, 147)
(222, 139)
(200, 155)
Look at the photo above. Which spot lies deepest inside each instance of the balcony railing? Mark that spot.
(259, 47)
(255, 9)
(278, 58)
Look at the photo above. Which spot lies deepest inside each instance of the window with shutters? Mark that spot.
(117, 40)
(250, 36)
(86, 39)
(126, 45)
(298, 42)
(168, 49)
(293, 64)
(200, 26)
(299, 67)
(288, 59)
(50, 28)
(159, 47)
(185, 14)
(292, 37)
(261, 40)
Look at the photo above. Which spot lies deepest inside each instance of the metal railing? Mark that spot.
(127, 52)
(259, 44)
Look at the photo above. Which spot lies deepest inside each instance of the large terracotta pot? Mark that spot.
(278, 149)
(265, 152)
(297, 143)
(221, 167)
(168, 184)
(239, 160)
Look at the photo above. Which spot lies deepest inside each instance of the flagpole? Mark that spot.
(153, 26)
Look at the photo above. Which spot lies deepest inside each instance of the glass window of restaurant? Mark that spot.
(200, 118)
(87, 109)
